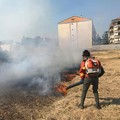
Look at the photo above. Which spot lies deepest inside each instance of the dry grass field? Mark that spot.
(22, 105)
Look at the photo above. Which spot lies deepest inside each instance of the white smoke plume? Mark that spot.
(37, 66)
(31, 66)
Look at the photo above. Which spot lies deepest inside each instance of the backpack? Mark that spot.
(93, 67)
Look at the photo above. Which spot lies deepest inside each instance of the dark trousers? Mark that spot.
(87, 82)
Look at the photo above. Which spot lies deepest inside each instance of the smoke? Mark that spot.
(29, 65)
(36, 67)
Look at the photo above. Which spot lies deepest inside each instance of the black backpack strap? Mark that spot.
(102, 72)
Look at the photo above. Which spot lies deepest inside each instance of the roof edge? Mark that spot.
(61, 22)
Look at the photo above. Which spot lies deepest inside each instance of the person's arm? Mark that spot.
(82, 70)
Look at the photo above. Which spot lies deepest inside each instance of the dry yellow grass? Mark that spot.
(32, 107)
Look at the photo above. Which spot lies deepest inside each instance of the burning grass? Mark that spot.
(61, 88)
(29, 105)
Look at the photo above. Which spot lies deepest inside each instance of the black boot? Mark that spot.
(81, 106)
(98, 107)
(97, 100)
(82, 100)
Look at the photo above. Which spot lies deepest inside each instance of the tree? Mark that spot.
(105, 38)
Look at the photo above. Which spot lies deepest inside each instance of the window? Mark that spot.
(118, 22)
(111, 27)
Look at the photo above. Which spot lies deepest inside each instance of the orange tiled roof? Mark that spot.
(73, 19)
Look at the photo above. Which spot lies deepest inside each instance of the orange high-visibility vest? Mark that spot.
(92, 66)
(87, 67)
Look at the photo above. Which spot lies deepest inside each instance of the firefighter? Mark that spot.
(88, 80)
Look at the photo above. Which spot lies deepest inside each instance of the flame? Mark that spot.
(61, 88)
(71, 76)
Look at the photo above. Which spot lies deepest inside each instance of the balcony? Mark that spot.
(115, 28)
(118, 25)
(116, 41)
(117, 36)
(111, 35)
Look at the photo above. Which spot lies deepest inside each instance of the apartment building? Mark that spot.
(114, 31)
(75, 33)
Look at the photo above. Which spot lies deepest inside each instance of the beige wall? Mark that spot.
(76, 35)
(64, 35)
(85, 34)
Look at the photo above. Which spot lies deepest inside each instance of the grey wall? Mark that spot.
(106, 47)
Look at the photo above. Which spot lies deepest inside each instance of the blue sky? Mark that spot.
(32, 18)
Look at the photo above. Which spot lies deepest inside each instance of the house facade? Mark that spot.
(75, 33)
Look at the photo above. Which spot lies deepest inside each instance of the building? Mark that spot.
(5, 47)
(9, 46)
(76, 33)
(114, 31)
